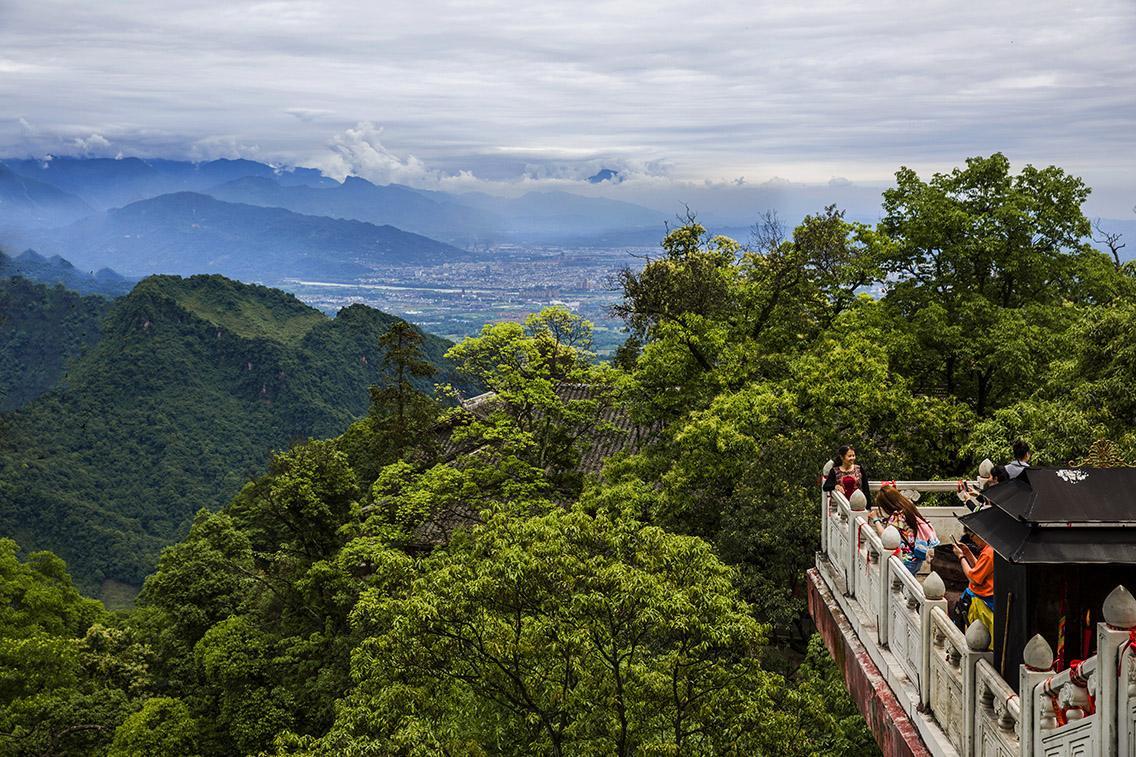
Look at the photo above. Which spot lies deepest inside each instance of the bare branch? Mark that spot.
(1111, 239)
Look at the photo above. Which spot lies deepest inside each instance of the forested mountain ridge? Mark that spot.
(191, 385)
(42, 328)
(56, 270)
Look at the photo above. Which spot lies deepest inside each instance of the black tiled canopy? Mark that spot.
(1065, 515)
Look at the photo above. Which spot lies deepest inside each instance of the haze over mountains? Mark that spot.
(109, 205)
(185, 233)
(255, 221)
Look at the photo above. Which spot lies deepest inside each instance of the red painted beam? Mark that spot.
(887, 720)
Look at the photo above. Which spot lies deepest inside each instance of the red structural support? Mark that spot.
(887, 720)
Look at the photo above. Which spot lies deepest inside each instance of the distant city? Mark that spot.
(504, 283)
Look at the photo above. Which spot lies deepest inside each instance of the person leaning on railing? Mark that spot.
(917, 536)
(847, 473)
(979, 571)
(973, 498)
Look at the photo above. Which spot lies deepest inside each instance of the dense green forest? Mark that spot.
(188, 387)
(42, 329)
(442, 579)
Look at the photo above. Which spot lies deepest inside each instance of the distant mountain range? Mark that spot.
(111, 183)
(26, 201)
(176, 395)
(55, 270)
(97, 184)
(187, 233)
(145, 216)
(361, 200)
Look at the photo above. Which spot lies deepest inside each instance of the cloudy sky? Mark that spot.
(723, 96)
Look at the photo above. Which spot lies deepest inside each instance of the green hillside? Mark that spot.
(41, 329)
(193, 384)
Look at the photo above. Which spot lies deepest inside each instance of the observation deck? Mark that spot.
(925, 687)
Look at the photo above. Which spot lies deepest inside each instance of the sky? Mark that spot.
(720, 102)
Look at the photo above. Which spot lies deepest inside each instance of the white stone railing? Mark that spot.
(997, 714)
(906, 607)
(945, 679)
(1126, 704)
(1067, 722)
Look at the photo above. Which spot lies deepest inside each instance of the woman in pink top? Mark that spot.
(847, 474)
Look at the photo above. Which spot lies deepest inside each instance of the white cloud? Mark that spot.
(93, 144)
(504, 91)
(358, 151)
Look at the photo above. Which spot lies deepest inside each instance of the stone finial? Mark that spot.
(827, 467)
(933, 586)
(858, 501)
(890, 538)
(985, 468)
(1037, 655)
(1120, 609)
(977, 637)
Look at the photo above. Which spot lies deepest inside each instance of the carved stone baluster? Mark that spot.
(1119, 612)
(1037, 666)
(857, 503)
(977, 644)
(934, 592)
(825, 509)
(889, 540)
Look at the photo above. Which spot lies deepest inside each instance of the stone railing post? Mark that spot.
(824, 508)
(977, 648)
(889, 540)
(934, 592)
(1112, 635)
(1037, 666)
(857, 503)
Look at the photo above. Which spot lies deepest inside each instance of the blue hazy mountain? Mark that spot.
(110, 183)
(186, 233)
(557, 215)
(55, 270)
(29, 202)
(605, 174)
(361, 200)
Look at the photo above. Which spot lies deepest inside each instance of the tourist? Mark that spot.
(1021, 459)
(974, 498)
(917, 536)
(847, 473)
(979, 572)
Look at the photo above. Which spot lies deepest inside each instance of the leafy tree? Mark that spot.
(712, 315)
(402, 349)
(986, 265)
(54, 698)
(548, 396)
(163, 727)
(560, 633)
